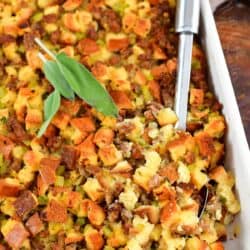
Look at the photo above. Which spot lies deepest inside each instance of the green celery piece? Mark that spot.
(86, 86)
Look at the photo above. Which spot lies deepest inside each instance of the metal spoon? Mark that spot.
(187, 24)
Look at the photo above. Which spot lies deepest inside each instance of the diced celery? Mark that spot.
(3, 120)
(2, 92)
(172, 3)
(59, 181)
(3, 165)
(60, 170)
(80, 221)
(37, 17)
(108, 248)
(18, 152)
(146, 93)
(100, 42)
(80, 35)
(120, 6)
(106, 231)
(196, 64)
(42, 200)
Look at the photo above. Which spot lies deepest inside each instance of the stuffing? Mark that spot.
(131, 182)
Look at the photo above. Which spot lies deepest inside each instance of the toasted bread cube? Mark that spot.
(45, 3)
(217, 246)
(210, 235)
(33, 118)
(10, 51)
(218, 154)
(143, 174)
(166, 116)
(7, 206)
(9, 187)
(70, 5)
(122, 100)
(216, 126)
(85, 124)
(128, 21)
(118, 236)
(93, 238)
(220, 175)
(119, 79)
(103, 137)
(205, 143)
(117, 43)
(226, 193)
(143, 230)
(88, 46)
(128, 197)
(195, 243)
(48, 168)
(61, 120)
(93, 189)
(109, 155)
(96, 214)
(179, 146)
(221, 230)
(142, 27)
(27, 74)
(152, 212)
(77, 21)
(198, 178)
(183, 173)
(67, 37)
(87, 150)
(56, 212)
(33, 60)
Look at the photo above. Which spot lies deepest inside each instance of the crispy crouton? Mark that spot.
(56, 212)
(94, 239)
(104, 137)
(93, 189)
(109, 155)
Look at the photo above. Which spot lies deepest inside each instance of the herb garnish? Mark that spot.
(51, 106)
(68, 78)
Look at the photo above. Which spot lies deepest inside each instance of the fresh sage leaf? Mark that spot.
(54, 75)
(85, 85)
(51, 106)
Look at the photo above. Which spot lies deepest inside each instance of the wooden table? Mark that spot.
(233, 23)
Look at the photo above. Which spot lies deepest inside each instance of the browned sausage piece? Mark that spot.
(16, 236)
(69, 157)
(25, 203)
(34, 224)
(5, 39)
(16, 127)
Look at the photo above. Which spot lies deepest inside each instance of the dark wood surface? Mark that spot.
(233, 23)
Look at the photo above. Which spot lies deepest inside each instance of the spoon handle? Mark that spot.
(187, 23)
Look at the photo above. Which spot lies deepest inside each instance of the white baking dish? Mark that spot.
(237, 150)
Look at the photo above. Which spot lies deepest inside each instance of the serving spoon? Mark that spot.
(187, 24)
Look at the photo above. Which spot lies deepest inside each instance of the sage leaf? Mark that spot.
(51, 106)
(85, 85)
(54, 75)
